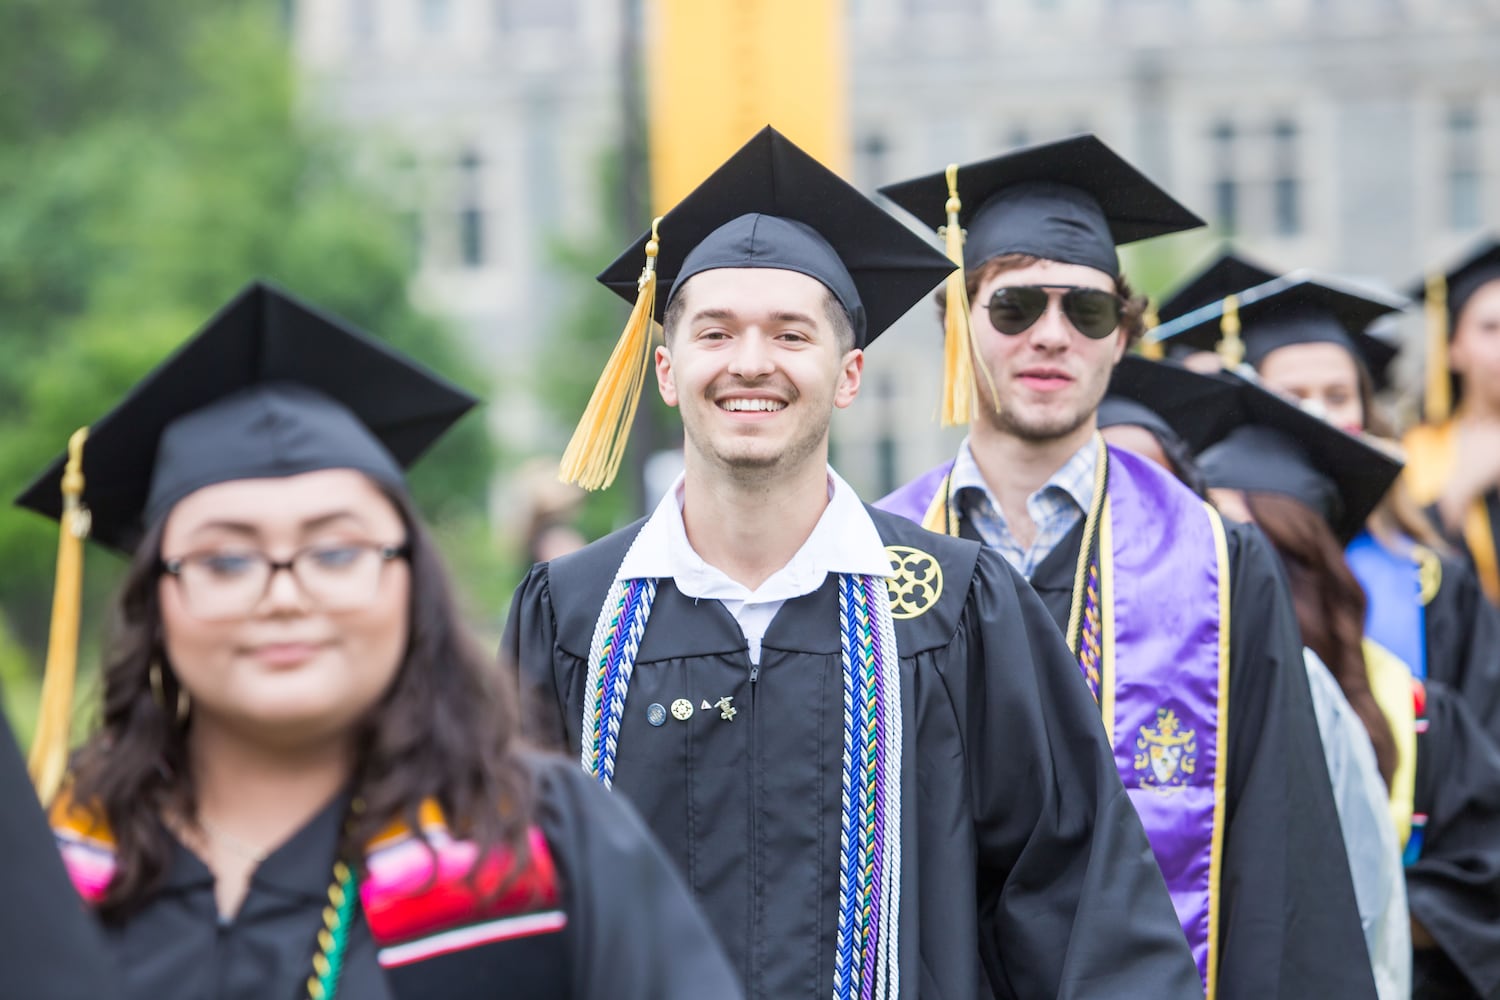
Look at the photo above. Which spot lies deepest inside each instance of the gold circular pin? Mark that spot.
(915, 583)
(682, 710)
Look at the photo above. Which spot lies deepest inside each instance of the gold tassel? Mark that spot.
(1231, 349)
(960, 355)
(1151, 350)
(49, 749)
(593, 456)
(1437, 403)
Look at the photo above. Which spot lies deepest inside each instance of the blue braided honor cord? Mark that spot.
(617, 640)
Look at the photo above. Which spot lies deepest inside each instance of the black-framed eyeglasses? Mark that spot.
(227, 583)
(1093, 312)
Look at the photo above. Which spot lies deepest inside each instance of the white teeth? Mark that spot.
(751, 405)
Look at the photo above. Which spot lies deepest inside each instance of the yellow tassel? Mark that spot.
(1147, 348)
(960, 354)
(1438, 402)
(1231, 349)
(49, 749)
(593, 456)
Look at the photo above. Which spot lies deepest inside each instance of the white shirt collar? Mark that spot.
(843, 541)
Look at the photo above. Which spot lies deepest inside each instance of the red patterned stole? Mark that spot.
(420, 900)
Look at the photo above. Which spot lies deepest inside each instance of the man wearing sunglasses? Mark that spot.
(1181, 623)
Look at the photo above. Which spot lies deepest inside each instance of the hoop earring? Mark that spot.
(159, 693)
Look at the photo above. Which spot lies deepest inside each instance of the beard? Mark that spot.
(1041, 425)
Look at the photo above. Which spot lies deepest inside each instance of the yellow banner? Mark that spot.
(718, 71)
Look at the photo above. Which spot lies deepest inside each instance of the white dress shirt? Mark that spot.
(843, 541)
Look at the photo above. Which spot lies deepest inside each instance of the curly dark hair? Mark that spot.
(1132, 316)
(446, 729)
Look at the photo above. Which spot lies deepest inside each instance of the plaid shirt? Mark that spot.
(1054, 509)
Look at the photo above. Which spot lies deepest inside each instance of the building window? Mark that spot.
(1285, 188)
(1463, 167)
(1225, 185)
(434, 14)
(536, 15)
(362, 21)
(471, 248)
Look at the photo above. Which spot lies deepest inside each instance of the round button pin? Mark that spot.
(682, 709)
(655, 714)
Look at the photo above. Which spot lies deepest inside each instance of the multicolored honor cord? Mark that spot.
(867, 959)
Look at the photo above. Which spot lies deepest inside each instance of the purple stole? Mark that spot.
(1150, 621)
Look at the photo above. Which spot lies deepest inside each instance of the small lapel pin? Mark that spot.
(727, 711)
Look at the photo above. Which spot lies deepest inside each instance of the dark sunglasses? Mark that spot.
(1093, 312)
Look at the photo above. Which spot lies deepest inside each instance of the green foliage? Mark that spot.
(154, 157)
(574, 353)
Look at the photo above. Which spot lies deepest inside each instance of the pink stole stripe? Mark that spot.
(407, 893)
(1167, 689)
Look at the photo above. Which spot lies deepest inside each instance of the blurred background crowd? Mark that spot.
(450, 174)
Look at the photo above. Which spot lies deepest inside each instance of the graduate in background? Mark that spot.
(866, 746)
(305, 783)
(1208, 707)
(1163, 402)
(1309, 487)
(1306, 337)
(1454, 458)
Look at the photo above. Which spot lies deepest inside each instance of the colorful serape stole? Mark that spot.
(867, 955)
(422, 900)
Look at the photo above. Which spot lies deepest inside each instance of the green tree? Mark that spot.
(154, 157)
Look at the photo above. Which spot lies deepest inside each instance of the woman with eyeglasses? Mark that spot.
(306, 780)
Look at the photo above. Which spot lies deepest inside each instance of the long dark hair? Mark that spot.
(444, 730)
(1330, 607)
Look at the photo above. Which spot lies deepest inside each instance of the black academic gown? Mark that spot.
(631, 931)
(1289, 923)
(1463, 642)
(1453, 889)
(1025, 872)
(49, 949)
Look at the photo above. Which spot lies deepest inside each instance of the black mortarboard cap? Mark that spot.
(1478, 266)
(269, 387)
(1299, 308)
(1444, 295)
(772, 205)
(1071, 201)
(1229, 273)
(1188, 405)
(1266, 444)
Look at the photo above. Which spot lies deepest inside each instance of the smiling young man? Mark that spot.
(865, 745)
(1181, 623)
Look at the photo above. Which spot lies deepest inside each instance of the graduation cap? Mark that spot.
(1167, 399)
(1071, 201)
(1227, 274)
(269, 387)
(1445, 293)
(1265, 444)
(1300, 308)
(770, 205)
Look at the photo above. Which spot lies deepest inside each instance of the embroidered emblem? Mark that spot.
(655, 714)
(1166, 754)
(1429, 573)
(682, 710)
(916, 581)
(727, 712)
